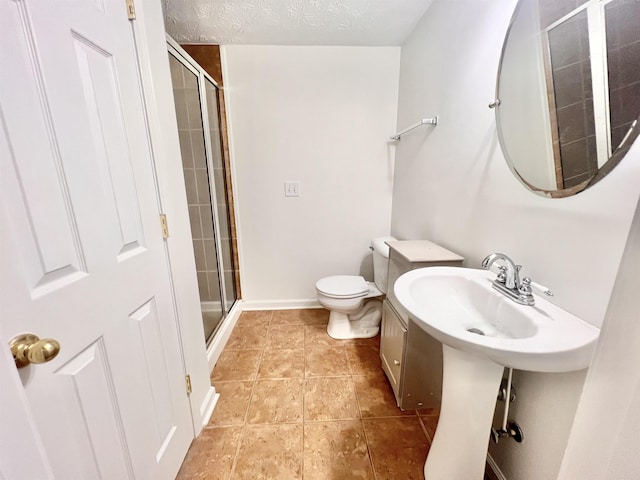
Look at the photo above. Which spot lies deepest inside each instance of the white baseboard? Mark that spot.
(208, 405)
(222, 335)
(494, 466)
(280, 304)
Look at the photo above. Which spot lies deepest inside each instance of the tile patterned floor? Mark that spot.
(297, 404)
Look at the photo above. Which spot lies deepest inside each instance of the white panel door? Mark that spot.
(82, 258)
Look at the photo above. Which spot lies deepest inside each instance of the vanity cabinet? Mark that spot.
(411, 358)
(393, 337)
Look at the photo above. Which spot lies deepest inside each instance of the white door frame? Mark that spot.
(158, 94)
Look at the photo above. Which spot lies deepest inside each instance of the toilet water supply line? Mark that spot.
(507, 400)
(509, 429)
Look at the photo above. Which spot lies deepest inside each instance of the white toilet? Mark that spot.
(354, 304)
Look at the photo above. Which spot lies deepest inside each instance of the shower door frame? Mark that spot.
(185, 59)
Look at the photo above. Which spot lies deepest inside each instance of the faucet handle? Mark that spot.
(526, 292)
(525, 286)
(502, 274)
(542, 289)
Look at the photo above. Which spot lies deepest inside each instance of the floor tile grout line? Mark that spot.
(353, 371)
(235, 456)
(246, 413)
(304, 398)
(364, 432)
(262, 424)
(426, 431)
(304, 383)
(355, 392)
(369, 452)
(304, 431)
(253, 386)
(324, 420)
(386, 417)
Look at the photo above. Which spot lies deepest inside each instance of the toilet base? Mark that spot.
(362, 324)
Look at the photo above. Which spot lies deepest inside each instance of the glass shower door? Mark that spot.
(199, 186)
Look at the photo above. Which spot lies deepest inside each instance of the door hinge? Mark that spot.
(131, 10)
(187, 380)
(164, 225)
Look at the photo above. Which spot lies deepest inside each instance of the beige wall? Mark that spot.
(453, 186)
(321, 116)
(604, 441)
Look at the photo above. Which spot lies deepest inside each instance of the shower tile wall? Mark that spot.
(194, 165)
(569, 46)
(571, 72)
(623, 51)
(552, 10)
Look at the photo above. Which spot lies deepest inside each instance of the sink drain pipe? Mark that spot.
(509, 429)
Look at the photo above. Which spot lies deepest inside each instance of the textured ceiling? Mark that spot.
(293, 22)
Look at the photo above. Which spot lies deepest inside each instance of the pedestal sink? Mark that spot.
(483, 331)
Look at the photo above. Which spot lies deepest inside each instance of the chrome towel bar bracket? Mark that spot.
(425, 121)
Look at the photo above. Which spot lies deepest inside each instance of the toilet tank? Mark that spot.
(380, 262)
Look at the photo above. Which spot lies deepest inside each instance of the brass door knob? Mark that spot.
(28, 348)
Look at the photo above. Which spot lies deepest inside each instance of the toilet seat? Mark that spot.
(343, 286)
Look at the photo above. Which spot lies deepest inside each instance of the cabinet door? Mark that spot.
(421, 381)
(392, 343)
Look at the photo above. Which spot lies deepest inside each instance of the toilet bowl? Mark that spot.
(354, 303)
(354, 312)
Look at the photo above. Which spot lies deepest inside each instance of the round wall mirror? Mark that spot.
(568, 91)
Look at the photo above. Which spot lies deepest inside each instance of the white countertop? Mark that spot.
(423, 251)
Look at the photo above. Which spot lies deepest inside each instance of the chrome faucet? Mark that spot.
(508, 280)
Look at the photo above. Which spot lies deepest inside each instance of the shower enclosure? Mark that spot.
(196, 97)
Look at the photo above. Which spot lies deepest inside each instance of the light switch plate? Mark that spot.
(291, 189)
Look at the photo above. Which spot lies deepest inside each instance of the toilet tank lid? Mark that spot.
(379, 245)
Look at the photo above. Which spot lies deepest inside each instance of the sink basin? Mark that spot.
(459, 307)
(482, 331)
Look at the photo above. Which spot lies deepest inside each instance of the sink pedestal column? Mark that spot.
(470, 385)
